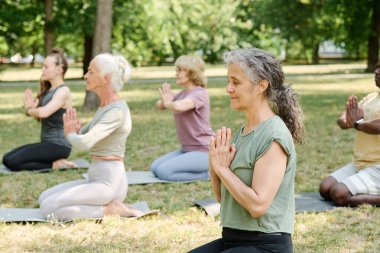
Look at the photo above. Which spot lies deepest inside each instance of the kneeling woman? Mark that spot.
(105, 136)
(253, 178)
(191, 108)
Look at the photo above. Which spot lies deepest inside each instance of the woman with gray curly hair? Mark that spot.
(105, 136)
(252, 174)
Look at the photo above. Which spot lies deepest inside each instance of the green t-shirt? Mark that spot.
(249, 148)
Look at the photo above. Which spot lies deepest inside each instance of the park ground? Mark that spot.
(323, 91)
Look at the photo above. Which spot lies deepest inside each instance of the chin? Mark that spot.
(234, 106)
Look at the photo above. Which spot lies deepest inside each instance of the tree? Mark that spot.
(49, 26)
(373, 38)
(21, 26)
(102, 42)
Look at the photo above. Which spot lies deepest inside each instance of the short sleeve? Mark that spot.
(199, 98)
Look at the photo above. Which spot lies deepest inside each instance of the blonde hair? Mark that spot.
(194, 67)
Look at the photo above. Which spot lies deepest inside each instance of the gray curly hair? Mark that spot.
(260, 65)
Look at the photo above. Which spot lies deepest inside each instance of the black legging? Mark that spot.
(238, 241)
(35, 156)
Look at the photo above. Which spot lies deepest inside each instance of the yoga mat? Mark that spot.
(312, 202)
(34, 214)
(147, 177)
(305, 202)
(82, 163)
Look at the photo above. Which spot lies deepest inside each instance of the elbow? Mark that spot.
(178, 108)
(257, 211)
(40, 114)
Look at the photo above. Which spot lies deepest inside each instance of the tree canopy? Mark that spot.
(157, 32)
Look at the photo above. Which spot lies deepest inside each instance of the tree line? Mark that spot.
(158, 31)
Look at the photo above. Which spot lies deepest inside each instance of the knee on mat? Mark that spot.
(324, 191)
(340, 195)
(47, 209)
(163, 174)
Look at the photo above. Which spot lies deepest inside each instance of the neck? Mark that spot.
(257, 115)
(189, 86)
(56, 82)
(107, 97)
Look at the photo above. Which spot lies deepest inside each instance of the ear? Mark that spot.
(59, 70)
(263, 85)
(107, 78)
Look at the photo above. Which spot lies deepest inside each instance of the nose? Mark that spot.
(377, 70)
(85, 76)
(229, 88)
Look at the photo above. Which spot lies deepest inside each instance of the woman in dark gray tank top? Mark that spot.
(48, 108)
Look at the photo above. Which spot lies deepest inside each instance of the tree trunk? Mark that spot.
(315, 57)
(88, 45)
(49, 27)
(373, 39)
(102, 43)
(34, 52)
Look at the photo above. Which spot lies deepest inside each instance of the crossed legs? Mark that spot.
(352, 189)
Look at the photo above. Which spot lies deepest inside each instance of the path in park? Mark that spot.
(15, 76)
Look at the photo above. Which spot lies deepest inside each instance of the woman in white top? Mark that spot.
(105, 136)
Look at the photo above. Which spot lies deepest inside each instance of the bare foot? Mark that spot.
(117, 207)
(63, 163)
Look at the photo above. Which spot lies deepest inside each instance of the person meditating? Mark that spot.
(252, 173)
(191, 109)
(358, 182)
(105, 136)
(48, 107)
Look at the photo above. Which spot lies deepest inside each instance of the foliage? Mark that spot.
(21, 26)
(157, 32)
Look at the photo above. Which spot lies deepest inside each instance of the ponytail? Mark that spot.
(289, 110)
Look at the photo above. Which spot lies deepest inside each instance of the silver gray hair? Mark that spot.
(260, 65)
(117, 65)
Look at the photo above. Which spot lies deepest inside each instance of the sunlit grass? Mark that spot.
(183, 226)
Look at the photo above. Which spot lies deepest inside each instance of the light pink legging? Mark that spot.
(85, 198)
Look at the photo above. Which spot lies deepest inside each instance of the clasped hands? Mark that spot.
(29, 101)
(70, 122)
(221, 151)
(166, 94)
(353, 111)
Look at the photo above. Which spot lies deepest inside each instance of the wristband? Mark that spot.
(357, 123)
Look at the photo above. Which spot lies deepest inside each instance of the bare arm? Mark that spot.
(268, 174)
(166, 101)
(61, 99)
(370, 127)
(180, 105)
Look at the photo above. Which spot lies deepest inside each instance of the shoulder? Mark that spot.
(117, 109)
(370, 96)
(276, 129)
(63, 90)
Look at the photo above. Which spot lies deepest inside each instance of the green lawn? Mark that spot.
(182, 227)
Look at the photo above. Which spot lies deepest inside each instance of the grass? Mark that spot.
(182, 227)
